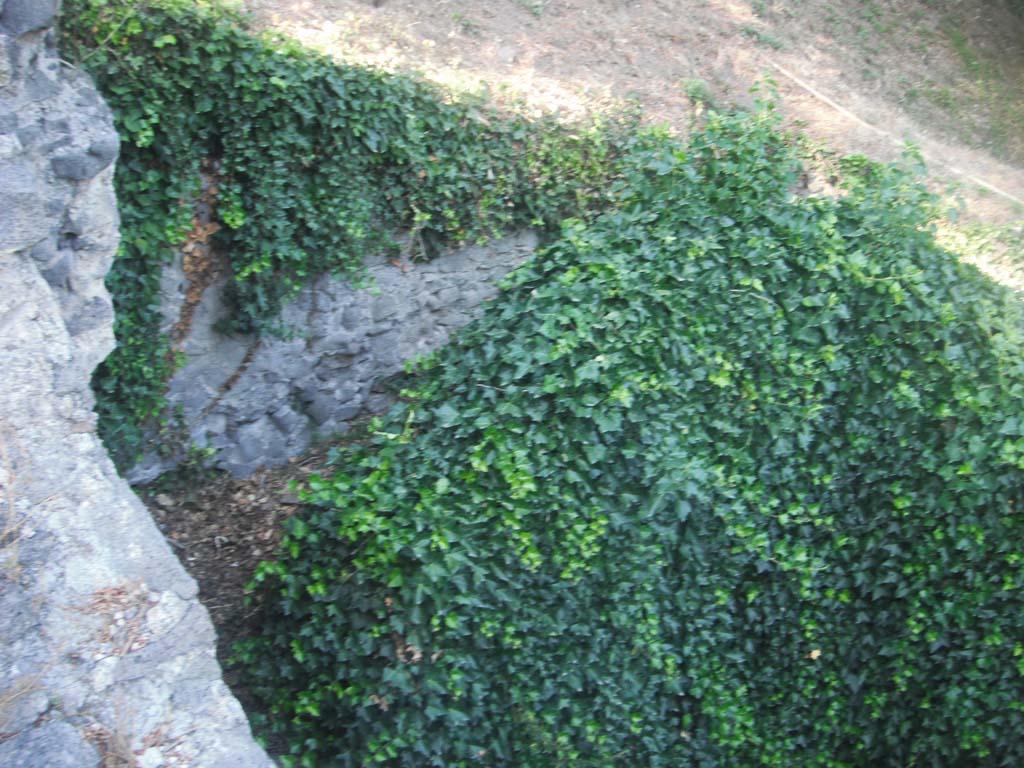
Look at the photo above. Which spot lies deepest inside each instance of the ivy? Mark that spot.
(320, 164)
(725, 477)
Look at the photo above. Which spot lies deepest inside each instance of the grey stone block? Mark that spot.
(448, 296)
(8, 120)
(105, 148)
(28, 134)
(347, 412)
(331, 363)
(40, 85)
(321, 408)
(216, 424)
(44, 253)
(286, 419)
(21, 16)
(57, 203)
(59, 126)
(353, 316)
(260, 439)
(89, 536)
(89, 315)
(58, 272)
(383, 308)
(23, 218)
(59, 143)
(54, 744)
(385, 352)
(379, 402)
(78, 166)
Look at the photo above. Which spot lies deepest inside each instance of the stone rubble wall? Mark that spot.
(257, 404)
(106, 655)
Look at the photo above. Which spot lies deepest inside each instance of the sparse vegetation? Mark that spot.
(997, 250)
(972, 88)
(698, 91)
(763, 37)
(536, 7)
(465, 24)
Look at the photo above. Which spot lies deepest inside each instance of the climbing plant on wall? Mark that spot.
(727, 477)
(319, 162)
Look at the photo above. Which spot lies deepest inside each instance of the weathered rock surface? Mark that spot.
(106, 655)
(256, 404)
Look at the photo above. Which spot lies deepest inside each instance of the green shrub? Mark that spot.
(729, 477)
(320, 162)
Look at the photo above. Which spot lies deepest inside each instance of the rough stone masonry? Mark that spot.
(106, 656)
(255, 403)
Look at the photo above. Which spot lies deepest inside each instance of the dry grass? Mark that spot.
(123, 609)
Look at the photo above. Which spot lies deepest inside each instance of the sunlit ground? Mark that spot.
(577, 57)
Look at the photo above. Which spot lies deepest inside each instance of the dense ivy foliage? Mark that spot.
(320, 162)
(730, 477)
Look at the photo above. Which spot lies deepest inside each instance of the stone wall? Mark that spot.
(258, 403)
(106, 656)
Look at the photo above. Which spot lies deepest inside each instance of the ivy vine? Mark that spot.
(727, 477)
(321, 163)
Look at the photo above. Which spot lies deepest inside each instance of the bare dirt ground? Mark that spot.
(221, 528)
(857, 75)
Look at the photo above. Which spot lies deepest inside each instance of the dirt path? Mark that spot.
(861, 75)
